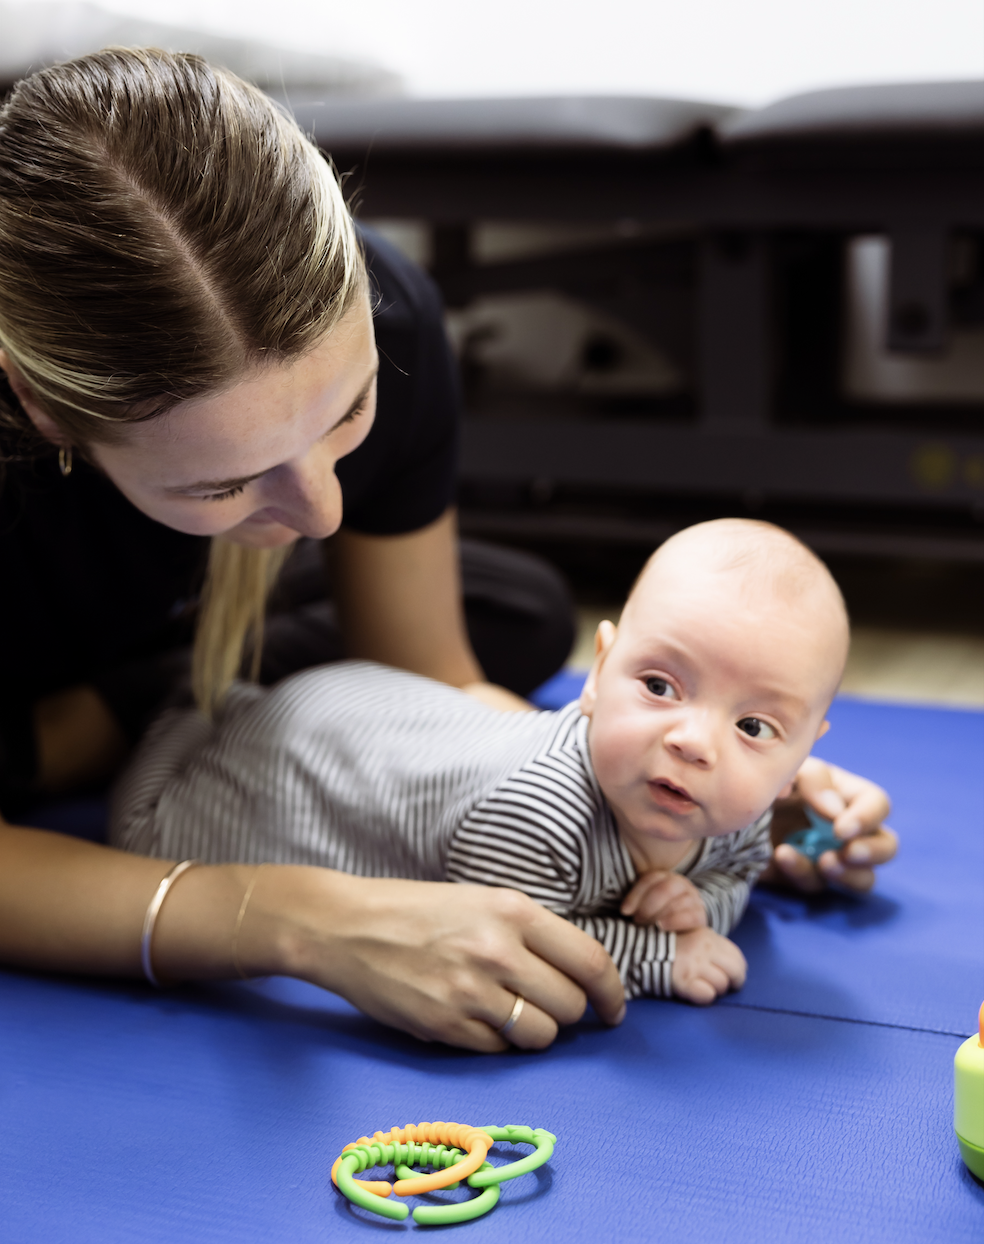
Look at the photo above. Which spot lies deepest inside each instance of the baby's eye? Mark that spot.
(756, 728)
(660, 688)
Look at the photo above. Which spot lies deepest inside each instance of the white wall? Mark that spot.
(746, 51)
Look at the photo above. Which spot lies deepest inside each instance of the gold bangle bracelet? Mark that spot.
(239, 923)
(150, 919)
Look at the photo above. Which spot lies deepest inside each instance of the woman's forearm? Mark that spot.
(72, 906)
(68, 905)
(441, 961)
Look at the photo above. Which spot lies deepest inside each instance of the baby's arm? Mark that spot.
(727, 869)
(715, 893)
(698, 966)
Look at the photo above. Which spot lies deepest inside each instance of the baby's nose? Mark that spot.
(693, 739)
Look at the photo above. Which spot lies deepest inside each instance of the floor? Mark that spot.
(904, 666)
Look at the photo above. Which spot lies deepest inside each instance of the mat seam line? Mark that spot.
(844, 1019)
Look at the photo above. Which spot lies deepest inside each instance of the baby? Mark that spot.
(640, 813)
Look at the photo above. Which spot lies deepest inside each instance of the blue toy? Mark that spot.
(818, 837)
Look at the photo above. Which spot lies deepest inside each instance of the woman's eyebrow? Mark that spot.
(223, 485)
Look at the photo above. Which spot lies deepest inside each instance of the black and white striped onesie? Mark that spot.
(381, 773)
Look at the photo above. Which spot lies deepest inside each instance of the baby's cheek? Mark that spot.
(745, 799)
(614, 750)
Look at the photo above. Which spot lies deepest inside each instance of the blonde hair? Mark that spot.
(164, 228)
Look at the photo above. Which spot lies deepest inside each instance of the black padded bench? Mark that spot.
(748, 299)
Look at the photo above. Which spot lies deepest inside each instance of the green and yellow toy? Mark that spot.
(968, 1099)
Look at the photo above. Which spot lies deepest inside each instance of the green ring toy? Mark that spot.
(406, 1156)
(358, 1196)
(462, 1211)
(544, 1141)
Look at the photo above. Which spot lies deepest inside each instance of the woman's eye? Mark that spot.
(756, 728)
(660, 688)
(224, 496)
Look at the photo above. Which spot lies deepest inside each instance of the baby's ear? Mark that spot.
(604, 638)
(824, 727)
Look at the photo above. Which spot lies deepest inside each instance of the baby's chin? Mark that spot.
(662, 826)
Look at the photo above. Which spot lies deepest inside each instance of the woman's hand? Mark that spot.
(857, 809)
(441, 961)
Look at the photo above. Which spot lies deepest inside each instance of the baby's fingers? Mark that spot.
(733, 966)
(639, 893)
(696, 990)
(680, 916)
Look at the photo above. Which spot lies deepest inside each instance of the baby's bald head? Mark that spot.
(752, 564)
(708, 696)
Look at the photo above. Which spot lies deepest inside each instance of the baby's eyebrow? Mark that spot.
(223, 485)
(783, 701)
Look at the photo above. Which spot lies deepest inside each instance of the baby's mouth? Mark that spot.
(670, 797)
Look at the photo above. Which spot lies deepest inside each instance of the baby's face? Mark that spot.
(705, 702)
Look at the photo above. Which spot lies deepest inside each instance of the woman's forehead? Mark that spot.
(269, 416)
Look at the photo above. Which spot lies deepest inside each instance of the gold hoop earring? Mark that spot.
(65, 460)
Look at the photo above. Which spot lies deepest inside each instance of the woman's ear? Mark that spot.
(25, 395)
(604, 638)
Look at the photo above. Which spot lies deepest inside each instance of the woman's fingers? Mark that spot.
(830, 867)
(854, 804)
(575, 955)
(874, 848)
(857, 808)
(533, 1030)
(445, 962)
(796, 868)
(867, 805)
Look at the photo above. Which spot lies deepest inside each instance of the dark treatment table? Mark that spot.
(815, 1105)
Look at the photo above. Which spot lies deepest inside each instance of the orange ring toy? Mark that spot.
(473, 1140)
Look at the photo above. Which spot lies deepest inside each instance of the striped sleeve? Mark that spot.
(525, 836)
(541, 832)
(726, 870)
(643, 954)
(521, 840)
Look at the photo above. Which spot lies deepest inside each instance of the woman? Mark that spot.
(189, 326)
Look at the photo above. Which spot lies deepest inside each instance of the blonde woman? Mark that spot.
(188, 331)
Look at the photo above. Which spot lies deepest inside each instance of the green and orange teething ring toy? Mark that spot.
(456, 1151)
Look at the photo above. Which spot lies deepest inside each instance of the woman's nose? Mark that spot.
(307, 497)
(691, 737)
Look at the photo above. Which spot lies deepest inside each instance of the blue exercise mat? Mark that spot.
(214, 1114)
(909, 954)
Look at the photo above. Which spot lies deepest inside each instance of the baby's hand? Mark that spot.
(706, 966)
(665, 899)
